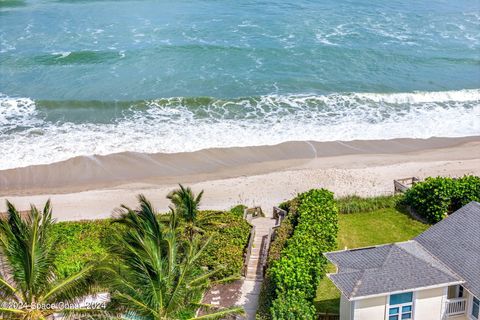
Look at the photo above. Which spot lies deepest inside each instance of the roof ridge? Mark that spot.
(438, 260)
(390, 252)
(365, 247)
(358, 283)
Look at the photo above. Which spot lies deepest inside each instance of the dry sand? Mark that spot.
(91, 187)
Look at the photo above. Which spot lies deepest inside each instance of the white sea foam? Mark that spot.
(16, 113)
(422, 97)
(171, 125)
(61, 54)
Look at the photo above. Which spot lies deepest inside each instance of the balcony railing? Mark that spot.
(456, 306)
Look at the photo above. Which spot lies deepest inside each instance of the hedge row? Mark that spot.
(435, 198)
(292, 279)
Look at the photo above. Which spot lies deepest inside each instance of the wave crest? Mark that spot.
(43, 132)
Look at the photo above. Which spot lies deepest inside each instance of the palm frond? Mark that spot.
(221, 314)
(156, 273)
(28, 273)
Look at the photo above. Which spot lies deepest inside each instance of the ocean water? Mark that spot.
(83, 77)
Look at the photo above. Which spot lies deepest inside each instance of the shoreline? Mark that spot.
(85, 173)
(91, 187)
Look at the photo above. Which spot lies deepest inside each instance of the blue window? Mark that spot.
(401, 306)
(476, 308)
(401, 298)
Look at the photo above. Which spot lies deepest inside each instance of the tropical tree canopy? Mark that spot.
(186, 207)
(30, 288)
(155, 275)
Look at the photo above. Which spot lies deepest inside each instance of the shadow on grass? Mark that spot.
(410, 213)
(328, 306)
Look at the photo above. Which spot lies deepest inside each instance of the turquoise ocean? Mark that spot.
(84, 77)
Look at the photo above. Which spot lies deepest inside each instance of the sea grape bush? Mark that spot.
(292, 305)
(435, 198)
(296, 274)
(467, 189)
(284, 231)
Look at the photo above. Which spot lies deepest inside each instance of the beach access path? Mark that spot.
(252, 284)
(246, 292)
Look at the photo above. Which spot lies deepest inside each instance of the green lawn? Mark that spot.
(365, 229)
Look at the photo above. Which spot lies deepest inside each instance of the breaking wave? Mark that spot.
(37, 132)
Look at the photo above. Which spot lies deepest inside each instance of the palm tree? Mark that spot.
(186, 207)
(155, 276)
(30, 288)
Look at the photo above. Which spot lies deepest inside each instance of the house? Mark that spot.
(435, 276)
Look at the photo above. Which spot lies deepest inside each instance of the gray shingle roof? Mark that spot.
(456, 242)
(447, 252)
(388, 268)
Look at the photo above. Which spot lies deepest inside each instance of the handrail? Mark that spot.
(265, 249)
(249, 251)
(401, 185)
(279, 215)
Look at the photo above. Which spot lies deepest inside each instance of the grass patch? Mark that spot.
(377, 227)
(328, 297)
(366, 229)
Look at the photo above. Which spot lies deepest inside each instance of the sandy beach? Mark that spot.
(91, 187)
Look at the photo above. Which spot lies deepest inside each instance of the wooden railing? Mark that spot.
(456, 306)
(248, 252)
(278, 215)
(401, 185)
(250, 213)
(264, 251)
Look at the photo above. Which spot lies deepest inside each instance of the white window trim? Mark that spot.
(414, 298)
(470, 307)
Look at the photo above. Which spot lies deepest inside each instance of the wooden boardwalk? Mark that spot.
(252, 283)
(246, 292)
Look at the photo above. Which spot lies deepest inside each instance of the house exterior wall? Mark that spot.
(429, 304)
(370, 309)
(346, 308)
(469, 297)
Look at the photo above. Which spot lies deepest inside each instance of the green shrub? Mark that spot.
(292, 305)
(293, 273)
(81, 242)
(238, 210)
(229, 240)
(435, 198)
(283, 233)
(301, 264)
(355, 204)
(467, 190)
